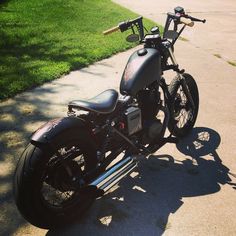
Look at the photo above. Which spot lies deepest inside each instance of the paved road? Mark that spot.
(188, 189)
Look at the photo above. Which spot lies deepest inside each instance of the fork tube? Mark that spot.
(172, 57)
(181, 79)
(174, 62)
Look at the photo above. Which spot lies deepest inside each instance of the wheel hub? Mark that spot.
(64, 178)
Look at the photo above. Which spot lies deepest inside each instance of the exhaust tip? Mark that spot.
(111, 177)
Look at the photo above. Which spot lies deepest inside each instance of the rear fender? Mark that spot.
(52, 133)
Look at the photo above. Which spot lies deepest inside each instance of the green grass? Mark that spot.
(41, 40)
(232, 63)
(217, 55)
(184, 39)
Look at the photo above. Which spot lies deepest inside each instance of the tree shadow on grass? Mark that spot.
(3, 3)
(142, 205)
(25, 65)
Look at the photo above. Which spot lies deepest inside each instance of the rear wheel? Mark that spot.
(47, 183)
(182, 114)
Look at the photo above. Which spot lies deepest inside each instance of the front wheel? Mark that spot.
(46, 182)
(182, 114)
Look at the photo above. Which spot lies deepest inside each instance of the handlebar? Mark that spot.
(123, 26)
(179, 17)
(185, 19)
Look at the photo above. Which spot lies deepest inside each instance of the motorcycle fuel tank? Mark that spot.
(142, 69)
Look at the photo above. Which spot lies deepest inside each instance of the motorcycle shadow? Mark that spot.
(142, 203)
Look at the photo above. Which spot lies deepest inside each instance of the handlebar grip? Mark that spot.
(195, 19)
(111, 30)
(186, 21)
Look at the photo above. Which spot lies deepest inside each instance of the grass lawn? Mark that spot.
(41, 40)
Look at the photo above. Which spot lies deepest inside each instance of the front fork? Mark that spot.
(181, 78)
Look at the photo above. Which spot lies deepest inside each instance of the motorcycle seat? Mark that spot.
(104, 102)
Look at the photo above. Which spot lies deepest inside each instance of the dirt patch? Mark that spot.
(12, 139)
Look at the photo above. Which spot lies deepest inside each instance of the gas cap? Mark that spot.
(142, 52)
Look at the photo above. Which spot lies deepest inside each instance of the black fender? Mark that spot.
(52, 132)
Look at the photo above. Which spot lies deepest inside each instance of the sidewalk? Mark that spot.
(169, 195)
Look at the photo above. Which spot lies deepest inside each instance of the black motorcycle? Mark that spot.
(67, 163)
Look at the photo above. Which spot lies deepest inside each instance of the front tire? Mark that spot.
(45, 193)
(182, 114)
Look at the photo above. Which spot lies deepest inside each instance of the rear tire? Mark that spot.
(182, 114)
(43, 190)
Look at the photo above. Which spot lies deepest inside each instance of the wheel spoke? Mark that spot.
(57, 188)
(183, 115)
(182, 118)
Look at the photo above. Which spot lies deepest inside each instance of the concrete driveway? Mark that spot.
(188, 189)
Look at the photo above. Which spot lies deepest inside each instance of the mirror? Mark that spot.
(171, 34)
(132, 38)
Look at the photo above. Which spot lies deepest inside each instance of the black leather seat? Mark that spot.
(104, 102)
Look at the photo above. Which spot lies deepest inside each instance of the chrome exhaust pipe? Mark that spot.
(112, 176)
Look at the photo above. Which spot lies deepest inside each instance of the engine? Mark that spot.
(143, 116)
(149, 103)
